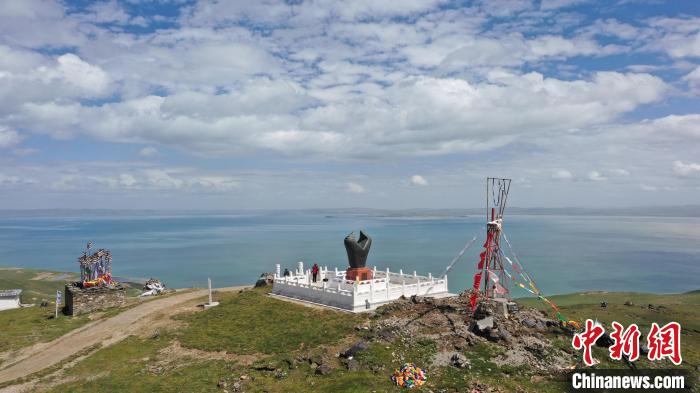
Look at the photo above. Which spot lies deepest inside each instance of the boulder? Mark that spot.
(458, 360)
(357, 347)
(528, 322)
(323, 370)
(352, 365)
(505, 335)
(483, 324)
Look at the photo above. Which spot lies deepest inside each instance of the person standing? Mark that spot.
(314, 272)
(286, 272)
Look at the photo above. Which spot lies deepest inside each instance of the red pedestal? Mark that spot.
(362, 273)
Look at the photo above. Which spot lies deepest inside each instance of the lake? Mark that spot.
(562, 253)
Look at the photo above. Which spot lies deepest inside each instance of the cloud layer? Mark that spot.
(550, 92)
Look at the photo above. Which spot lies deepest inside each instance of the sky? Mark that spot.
(318, 104)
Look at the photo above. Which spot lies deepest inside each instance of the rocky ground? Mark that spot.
(523, 336)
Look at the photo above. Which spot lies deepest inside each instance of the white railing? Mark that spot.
(336, 291)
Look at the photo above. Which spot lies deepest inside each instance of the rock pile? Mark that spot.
(450, 323)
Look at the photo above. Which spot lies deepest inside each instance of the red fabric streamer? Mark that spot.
(481, 262)
(477, 281)
(472, 301)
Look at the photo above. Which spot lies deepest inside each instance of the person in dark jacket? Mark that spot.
(314, 272)
(286, 272)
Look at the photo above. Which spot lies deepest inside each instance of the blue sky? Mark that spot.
(297, 104)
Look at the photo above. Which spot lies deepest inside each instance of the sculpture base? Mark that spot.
(361, 273)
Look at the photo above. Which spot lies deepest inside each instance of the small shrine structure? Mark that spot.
(96, 289)
(358, 288)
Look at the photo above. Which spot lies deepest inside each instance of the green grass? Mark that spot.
(33, 291)
(26, 326)
(251, 322)
(124, 367)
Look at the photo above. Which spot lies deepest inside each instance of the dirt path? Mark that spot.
(106, 332)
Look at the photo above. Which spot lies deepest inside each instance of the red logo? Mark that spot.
(626, 342)
(586, 339)
(665, 342)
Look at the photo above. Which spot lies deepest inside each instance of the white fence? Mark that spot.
(332, 289)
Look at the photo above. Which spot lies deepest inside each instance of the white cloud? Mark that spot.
(596, 176)
(693, 80)
(317, 81)
(8, 137)
(678, 37)
(646, 187)
(682, 169)
(562, 174)
(619, 172)
(162, 179)
(678, 125)
(355, 188)
(127, 179)
(555, 4)
(148, 151)
(417, 116)
(418, 180)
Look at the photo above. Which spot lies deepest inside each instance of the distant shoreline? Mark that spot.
(643, 211)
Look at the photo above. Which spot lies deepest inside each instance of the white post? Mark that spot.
(338, 286)
(447, 289)
(308, 276)
(401, 272)
(387, 281)
(301, 268)
(324, 286)
(277, 270)
(371, 290)
(430, 277)
(336, 271)
(58, 300)
(209, 281)
(374, 272)
(415, 276)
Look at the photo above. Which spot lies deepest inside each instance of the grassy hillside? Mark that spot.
(261, 344)
(256, 343)
(26, 326)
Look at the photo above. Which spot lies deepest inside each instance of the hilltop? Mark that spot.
(254, 343)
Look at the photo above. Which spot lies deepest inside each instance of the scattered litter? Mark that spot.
(152, 287)
(409, 376)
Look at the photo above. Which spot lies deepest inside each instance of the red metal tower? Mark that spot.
(492, 280)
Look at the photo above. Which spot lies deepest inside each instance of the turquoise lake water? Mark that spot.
(563, 253)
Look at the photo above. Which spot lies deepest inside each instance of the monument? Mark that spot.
(357, 256)
(358, 288)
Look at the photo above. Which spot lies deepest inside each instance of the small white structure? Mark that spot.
(211, 303)
(9, 298)
(333, 290)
